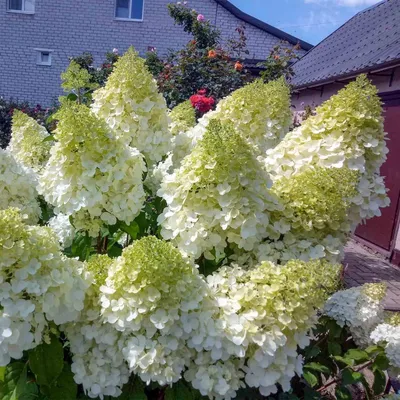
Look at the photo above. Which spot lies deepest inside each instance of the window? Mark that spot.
(129, 9)
(43, 57)
(22, 6)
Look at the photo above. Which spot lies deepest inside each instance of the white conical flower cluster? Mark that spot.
(219, 196)
(37, 285)
(18, 187)
(347, 130)
(96, 347)
(91, 175)
(28, 144)
(134, 109)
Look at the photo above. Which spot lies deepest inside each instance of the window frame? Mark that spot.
(39, 57)
(130, 12)
(23, 11)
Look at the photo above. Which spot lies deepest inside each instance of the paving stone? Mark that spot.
(363, 266)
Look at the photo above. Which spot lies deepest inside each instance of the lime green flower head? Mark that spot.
(76, 78)
(260, 112)
(91, 175)
(150, 263)
(318, 199)
(220, 195)
(134, 109)
(27, 143)
(183, 117)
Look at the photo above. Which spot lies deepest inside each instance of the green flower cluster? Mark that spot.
(317, 200)
(28, 144)
(133, 108)
(91, 175)
(183, 117)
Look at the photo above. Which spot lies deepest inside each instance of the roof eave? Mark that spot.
(372, 69)
(263, 25)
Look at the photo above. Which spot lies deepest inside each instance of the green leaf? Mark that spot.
(334, 349)
(349, 377)
(2, 373)
(64, 388)
(49, 138)
(16, 385)
(133, 390)
(357, 355)
(379, 382)
(72, 97)
(311, 394)
(373, 349)
(47, 361)
(334, 329)
(312, 352)
(342, 393)
(381, 362)
(179, 391)
(311, 379)
(317, 367)
(132, 229)
(343, 360)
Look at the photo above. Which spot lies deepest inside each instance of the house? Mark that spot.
(38, 36)
(368, 43)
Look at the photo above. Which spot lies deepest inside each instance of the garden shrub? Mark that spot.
(202, 64)
(7, 108)
(208, 281)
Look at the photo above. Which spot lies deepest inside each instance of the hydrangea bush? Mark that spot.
(178, 260)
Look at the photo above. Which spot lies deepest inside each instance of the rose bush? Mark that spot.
(170, 259)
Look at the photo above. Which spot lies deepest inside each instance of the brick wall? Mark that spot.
(70, 27)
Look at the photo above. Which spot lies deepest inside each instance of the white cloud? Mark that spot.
(344, 3)
(315, 21)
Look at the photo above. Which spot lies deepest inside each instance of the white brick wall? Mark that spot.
(70, 27)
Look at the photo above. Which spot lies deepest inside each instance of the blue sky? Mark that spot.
(310, 20)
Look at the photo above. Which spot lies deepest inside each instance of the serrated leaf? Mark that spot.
(179, 391)
(317, 367)
(16, 385)
(334, 329)
(379, 382)
(357, 355)
(2, 373)
(342, 393)
(381, 362)
(65, 387)
(311, 379)
(133, 390)
(47, 361)
(334, 349)
(343, 360)
(132, 230)
(349, 377)
(373, 349)
(312, 352)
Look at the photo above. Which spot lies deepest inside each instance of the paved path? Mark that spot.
(363, 266)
